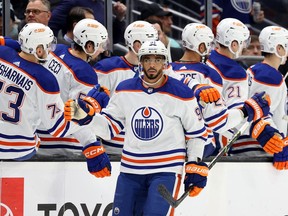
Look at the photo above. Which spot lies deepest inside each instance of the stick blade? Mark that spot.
(167, 196)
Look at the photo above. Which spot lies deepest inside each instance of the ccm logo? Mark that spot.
(94, 151)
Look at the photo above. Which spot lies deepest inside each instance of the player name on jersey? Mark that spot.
(15, 76)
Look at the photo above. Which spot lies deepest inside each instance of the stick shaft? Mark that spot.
(226, 148)
(175, 202)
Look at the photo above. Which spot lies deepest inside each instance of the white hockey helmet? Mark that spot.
(139, 31)
(231, 29)
(195, 34)
(155, 47)
(34, 34)
(270, 37)
(90, 30)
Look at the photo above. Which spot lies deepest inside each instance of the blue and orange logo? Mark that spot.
(146, 123)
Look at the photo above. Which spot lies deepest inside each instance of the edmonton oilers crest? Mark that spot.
(147, 123)
(242, 6)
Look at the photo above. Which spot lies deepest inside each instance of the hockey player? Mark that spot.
(161, 130)
(29, 95)
(75, 77)
(231, 37)
(30, 98)
(197, 40)
(265, 76)
(111, 71)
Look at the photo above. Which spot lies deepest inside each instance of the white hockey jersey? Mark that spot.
(263, 77)
(157, 122)
(216, 115)
(75, 78)
(235, 91)
(111, 72)
(205, 75)
(29, 97)
(235, 79)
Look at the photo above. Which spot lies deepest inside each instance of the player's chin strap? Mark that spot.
(283, 58)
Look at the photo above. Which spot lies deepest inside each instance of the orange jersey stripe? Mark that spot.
(246, 143)
(17, 143)
(59, 139)
(70, 70)
(60, 129)
(118, 139)
(154, 160)
(113, 126)
(219, 120)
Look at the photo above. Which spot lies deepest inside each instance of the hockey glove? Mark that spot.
(101, 94)
(280, 160)
(98, 162)
(257, 106)
(206, 93)
(268, 137)
(81, 111)
(196, 175)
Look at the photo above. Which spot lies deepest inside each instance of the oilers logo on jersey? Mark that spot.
(146, 123)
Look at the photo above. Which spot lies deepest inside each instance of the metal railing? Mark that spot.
(115, 158)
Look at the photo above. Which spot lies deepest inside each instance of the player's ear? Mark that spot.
(202, 48)
(278, 49)
(40, 52)
(234, 46)
(136, 45)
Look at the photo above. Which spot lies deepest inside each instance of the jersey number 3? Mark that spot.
(13, 105)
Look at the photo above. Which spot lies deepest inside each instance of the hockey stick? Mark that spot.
(285, 76)
(175, 202)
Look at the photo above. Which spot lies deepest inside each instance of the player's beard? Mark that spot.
(152, 76)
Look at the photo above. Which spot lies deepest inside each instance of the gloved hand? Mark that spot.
(257, 106)
(101, 94)
(280, 160)
(98, 162)
(81, 111)
(206, 93)
(268, 137)
(196, 175)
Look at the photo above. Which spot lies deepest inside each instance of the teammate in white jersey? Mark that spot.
(29, 95)
(231, 37)
(265, 76)
(111, 71)
(197, 39)
(161, 130)
(75, 77)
